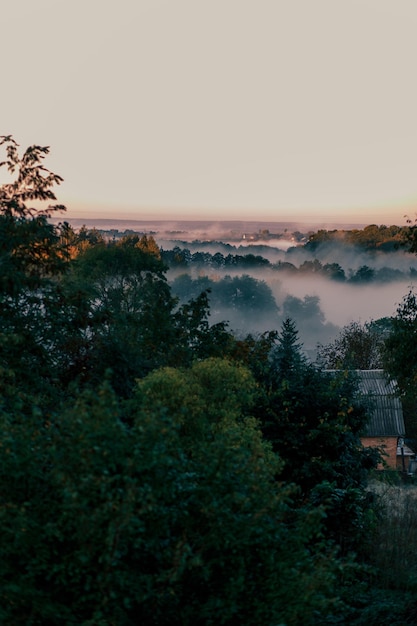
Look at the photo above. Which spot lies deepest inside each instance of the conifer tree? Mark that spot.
(287, 356)
(313, 421)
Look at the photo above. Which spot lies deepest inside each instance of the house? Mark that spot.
(385, 429)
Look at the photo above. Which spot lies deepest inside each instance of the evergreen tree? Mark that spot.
(313, 421)
(287, 356)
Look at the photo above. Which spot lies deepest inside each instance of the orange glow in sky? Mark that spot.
(229, 109)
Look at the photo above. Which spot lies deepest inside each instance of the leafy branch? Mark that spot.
(33, 182)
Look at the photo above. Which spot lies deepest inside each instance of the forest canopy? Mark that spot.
(155, 467)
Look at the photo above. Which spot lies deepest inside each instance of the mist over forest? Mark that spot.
(258, 274)
(323, 286)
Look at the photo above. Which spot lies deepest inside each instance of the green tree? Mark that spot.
(242, 300)
(364, 274)
(400, 358)
(309, 318)
(129, 310)
(358, 346)
(196, 338)
(287, 356)
(33, 255)
(334, 271)
(155, 523)
(132, 321)
(187, 288)
(313, 421)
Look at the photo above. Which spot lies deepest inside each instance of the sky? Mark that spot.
(218, 109)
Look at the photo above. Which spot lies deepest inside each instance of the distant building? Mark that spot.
(385, 428)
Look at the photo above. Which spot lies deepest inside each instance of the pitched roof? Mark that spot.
(386, 414)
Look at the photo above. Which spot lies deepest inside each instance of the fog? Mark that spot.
(342, 303)
(351, 258)
(320, 306)
(337, 302)
(284, 250)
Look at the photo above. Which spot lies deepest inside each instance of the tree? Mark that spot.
(32, 255)
(187, 288)
(84, 238)
(313, 421)
(400, 358)
(363, 274)
(408, 236)
(334, 271)
(287, 357)
(313, 267)
(309, 318)
(247, 303)
(248, 294)
(157, 523)
(358, 346)
(29, 246)
(132, 321)
(306, 311)
(129, 309)
(320, 238)
(196, 338)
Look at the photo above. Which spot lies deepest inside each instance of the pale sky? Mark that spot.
(233, 109)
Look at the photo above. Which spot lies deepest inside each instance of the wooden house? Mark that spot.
(385, 429)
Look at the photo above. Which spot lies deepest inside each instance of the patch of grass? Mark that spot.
(394, 544)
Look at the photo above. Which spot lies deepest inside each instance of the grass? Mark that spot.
(394, 544)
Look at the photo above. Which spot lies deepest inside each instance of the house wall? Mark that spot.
(389, 447)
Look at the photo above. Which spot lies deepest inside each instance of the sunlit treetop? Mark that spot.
(33, 181)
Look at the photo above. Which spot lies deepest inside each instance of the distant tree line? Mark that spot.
(372, 237)
(183, 258)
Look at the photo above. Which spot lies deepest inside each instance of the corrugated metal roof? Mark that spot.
(385, 410)
(386, 414)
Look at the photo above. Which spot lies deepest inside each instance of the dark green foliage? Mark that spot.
(311, 267)
(314, 421)
(334, 271)
(286, 357)
(33, 256)
(358, 346)
(400, 347)
(364, 274)
(320, 237)
(107, 525)
(178, 257)
(187, 288)
(133, 322)
(243, 301)
(305, 311)
(400, 357)
(243, 294)
(153, 468)
(196, 338)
